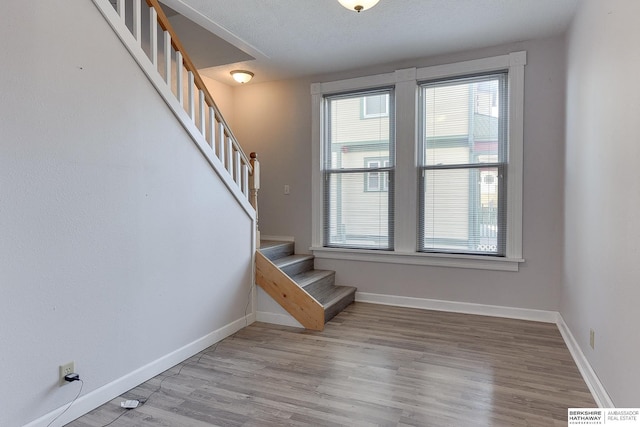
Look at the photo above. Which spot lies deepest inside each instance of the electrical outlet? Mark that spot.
(592, 338)
(66, 369)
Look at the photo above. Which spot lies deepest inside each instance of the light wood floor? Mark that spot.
(373, 365)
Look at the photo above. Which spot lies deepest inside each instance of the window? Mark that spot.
(375, 106)
(358, 173)
(378, 180)
(426, 166)
(463, 164)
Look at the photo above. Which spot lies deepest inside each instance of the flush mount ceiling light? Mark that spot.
(242, 76)
(358, 5)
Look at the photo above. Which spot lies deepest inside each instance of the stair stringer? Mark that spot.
(294, 299)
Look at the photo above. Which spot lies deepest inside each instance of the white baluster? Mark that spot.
(167, 58)
(236, 169)
(179, 79)
(212, 128)
(229, 149)
(137, 21)
(120, 9)
(221, 143)
(202, 109)
(245, 180)
(153, 39)
(191, 102)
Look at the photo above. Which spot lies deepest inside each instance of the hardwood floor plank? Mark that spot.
(372, 365)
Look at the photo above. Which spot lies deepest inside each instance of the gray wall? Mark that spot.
(601, 286)
(119, 244)
(274, 119)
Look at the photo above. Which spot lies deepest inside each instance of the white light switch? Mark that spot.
(286, 189)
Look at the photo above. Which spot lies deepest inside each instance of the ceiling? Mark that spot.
(281, 39)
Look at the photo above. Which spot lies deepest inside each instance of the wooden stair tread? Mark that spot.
(266, 244)
(291, 259)
(332, 294)
(335, 299)
(310, 277)
(273, 249)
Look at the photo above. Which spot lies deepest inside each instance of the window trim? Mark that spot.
(480, 262)
(327, 170)
(406, 91)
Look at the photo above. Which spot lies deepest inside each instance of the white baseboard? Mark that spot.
(109, 391)
(277, 319)
(598, 391)
(249, 319)
(459, 307)
(277, 238)
(114, 389)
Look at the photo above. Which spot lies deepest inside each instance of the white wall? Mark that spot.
(601, 287)
(119, 243)
(223, 96)
(275, 120)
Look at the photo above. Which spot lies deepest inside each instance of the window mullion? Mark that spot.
(406, 186)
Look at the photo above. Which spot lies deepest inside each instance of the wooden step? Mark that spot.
(273, 249)
(312, 279)
(335, 299)
(320, 285)
(294, 264)
(298, 287)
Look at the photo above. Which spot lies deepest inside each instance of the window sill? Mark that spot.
(418, 258)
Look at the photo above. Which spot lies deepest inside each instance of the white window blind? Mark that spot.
(463, 165)
(358, 168)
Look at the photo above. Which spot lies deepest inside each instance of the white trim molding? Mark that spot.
(599, 393)
(98, 397)
(459, 307)
(478, 262)
(277, 238)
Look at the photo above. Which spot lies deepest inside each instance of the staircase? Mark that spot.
(309, 295)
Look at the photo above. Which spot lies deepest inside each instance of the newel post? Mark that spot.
(254, 186)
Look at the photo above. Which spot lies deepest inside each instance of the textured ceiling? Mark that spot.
(292, 38)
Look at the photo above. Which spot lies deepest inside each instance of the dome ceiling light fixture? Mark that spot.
(242, 76)
(358, 5)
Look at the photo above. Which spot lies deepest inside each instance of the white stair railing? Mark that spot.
(144, 20)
